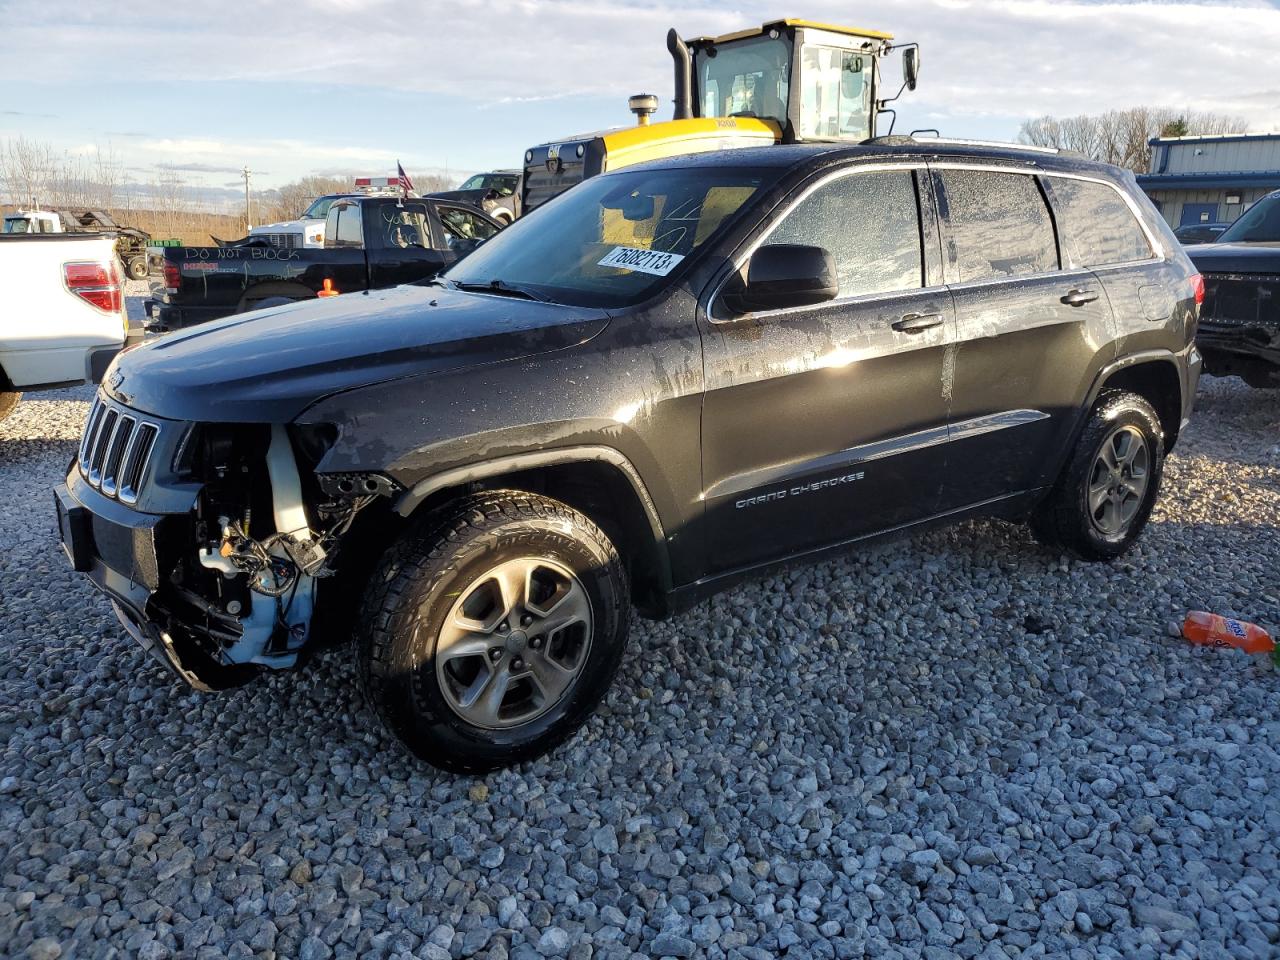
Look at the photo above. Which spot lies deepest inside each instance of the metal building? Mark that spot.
(1211, 179)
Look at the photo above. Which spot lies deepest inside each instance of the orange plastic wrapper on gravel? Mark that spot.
(1214, 630)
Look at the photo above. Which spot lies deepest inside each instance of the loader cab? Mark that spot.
(815, 82)
(787, 81)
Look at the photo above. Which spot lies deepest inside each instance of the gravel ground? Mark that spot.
(957, 745)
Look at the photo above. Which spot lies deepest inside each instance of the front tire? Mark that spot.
(490, 633)
(137, 268)
(1103, 499)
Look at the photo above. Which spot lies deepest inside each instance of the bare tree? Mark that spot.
(291, 200)
(1122, 136)
(28, 169)
(168, 197)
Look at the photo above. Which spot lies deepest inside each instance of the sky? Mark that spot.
(337, 86)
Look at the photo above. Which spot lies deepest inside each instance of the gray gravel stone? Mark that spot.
(902, 767)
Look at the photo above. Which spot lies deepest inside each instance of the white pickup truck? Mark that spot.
(62, 311)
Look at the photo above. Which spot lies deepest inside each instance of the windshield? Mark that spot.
(745, 78)
(15, 225)
(504, 186)
(1259, 224)
(319, 209)
(613, 240)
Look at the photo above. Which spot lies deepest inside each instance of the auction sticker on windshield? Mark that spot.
(657, 262)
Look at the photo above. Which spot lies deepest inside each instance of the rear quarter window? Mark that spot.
(1097, 225)
(997, 224)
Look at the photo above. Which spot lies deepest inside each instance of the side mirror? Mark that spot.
(911, 66)
(781, 275)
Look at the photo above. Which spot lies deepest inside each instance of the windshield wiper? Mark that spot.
(501, 288)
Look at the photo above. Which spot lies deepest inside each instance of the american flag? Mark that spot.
(405, 183)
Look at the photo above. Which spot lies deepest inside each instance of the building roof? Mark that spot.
(1213, 138)
(1209, 180)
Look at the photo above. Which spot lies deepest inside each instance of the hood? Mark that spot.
(284, 226)
(269, 365)
(1235, 257)
(469, 196)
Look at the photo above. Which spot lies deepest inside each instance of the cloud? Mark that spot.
(987, 65)
(1001, 57)
(196, 168)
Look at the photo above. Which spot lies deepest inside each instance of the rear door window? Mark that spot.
(869, 223)
(997, 224)
(404, 225)
(1097, 225)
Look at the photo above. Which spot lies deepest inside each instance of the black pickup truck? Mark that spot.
(1239, 331)
(370, 243)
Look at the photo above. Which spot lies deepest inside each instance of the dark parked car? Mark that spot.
(1240, 324)
(496, 193)
(1200, 232)
(370, 243)
(665, 380)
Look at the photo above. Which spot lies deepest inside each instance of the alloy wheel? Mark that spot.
(514, 642)
(1118, 481)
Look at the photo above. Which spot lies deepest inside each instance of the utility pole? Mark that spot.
(246, 173)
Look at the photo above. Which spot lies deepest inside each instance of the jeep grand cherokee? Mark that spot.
(667, 379)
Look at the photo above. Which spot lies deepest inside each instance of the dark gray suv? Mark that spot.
(665, 380)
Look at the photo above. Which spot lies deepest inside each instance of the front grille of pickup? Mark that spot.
(1240, 300)
(286, 241)
(116, 449)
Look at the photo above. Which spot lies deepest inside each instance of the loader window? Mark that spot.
(614, 240)
(745, 78)
(835, 94)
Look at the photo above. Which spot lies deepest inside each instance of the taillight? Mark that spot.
(96, 283)
(1197, 288)
(172, 277)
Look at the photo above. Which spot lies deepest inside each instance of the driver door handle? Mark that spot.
(1078, 298)
(917, 322)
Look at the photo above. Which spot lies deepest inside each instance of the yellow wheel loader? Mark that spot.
(787, 81)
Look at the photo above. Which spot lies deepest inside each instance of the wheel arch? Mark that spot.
(598, 481)
(274, 288)
(1152, 375)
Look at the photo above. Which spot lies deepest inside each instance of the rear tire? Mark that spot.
(490, 633)
(137, 268)
(268, 302)
(1262, 378)
(8, 400)
(1104, 496)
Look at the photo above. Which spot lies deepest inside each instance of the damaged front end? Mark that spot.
(214, 540)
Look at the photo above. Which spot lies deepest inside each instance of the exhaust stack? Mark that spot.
(683, 75)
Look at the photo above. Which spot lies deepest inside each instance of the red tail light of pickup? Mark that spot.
(172, 277)
(96, 283)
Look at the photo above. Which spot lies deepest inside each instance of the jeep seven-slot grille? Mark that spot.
(115, 450)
